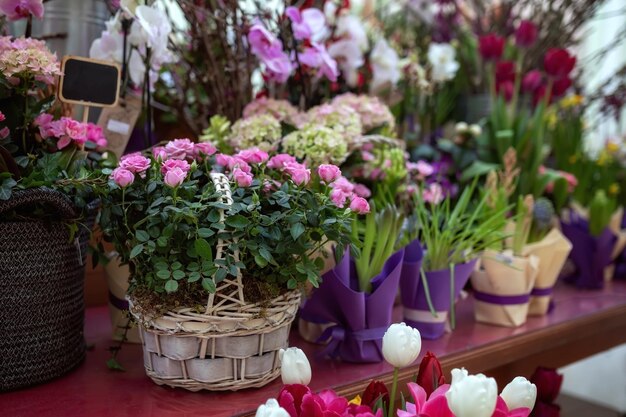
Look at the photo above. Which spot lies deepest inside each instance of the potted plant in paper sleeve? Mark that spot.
(49, 177)
(217, 258)
(452, 234)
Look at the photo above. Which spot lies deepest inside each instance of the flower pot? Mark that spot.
(231, 346)
(414, 296)
(552, 252)
(117, 280)
(502, 284)
(354, 321)
(41, 290)
(617, 226)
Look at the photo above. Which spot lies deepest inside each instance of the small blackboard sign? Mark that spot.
(89, 82)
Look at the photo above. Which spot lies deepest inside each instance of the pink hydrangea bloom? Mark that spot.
(21, 9)
(328, 172)
(279, 161)
(180, 149)
(122, 177)
(174, 177)
(175, 163)
(253, 156)
(27, 58)
(242, 178)
(135, 163)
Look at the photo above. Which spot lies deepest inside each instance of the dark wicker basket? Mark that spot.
(41, 290)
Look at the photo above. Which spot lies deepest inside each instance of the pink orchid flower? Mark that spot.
(316, 56)
(21, 9)
(435, 406)
(306, 23)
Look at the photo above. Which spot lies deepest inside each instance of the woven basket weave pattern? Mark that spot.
(41, 294)
(231, 345)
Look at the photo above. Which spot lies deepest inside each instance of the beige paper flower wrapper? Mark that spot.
(552, 252)
(501, 275)
(117, 280)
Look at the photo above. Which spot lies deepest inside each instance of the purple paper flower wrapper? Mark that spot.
(620, 262)
(416, 311)
(590, 254)
(360, 319)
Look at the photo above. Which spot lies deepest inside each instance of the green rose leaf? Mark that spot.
(297, 230)
(238, 221)
(205, 232)
(208, 285)
(178, 274)
(163, 274)
(194, 276)
(136, 251)
(142, 235)
(203, 249)
(171, 286)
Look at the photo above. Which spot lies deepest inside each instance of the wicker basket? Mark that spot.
(232, 345)
(41, 291)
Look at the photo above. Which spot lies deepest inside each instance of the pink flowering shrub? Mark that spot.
(162, 213)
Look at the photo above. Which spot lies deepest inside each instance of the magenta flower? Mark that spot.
(436, 406)
(316, 56)
(328, 172)
(343, 184)
(180, 149)
(170, 164)
(4, 132)
(362, 191)
(298, 173)
(242, 178)
(122, 177)
(232, 162)
(174, 177)
(433, 193)
(263, 44)
(95, 134)
(279, 161)
(3, 117)
(253, 156)
(278, 68)
(135, 163)
(203, 149)
(359, 205)
(158, 152)
(503, 411)
(339, 197)
(76, 130)
(307, 23)
(21, 9)
(531, 81)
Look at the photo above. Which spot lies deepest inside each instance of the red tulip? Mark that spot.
(532, 81)
(506, 89)
(560, 86)
(430, 375)
(548, 383)
(491, 47)
(374, 392)
(539, 95)
(545, 410)
(505, 71)
(558, 63)
(526, 34)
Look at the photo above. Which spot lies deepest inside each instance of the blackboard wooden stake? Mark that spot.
(85, 114)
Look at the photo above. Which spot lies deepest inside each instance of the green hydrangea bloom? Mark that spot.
(262, 131)
(316, 144)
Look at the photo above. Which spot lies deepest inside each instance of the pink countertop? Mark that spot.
(94, 391)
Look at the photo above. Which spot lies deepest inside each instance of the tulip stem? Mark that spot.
(394, 387)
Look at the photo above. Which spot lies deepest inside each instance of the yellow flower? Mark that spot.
(603, 159)
(612, 147)
(571, 101)
(552, 119)
(356, 400)
(573, 159)
(614, 189)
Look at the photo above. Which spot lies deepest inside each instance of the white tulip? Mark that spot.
(519, 393)
(271, 409)
(475, 130)
(401, 345)
(472, 395)
(441, 57)
(385, 66)
(295, 367)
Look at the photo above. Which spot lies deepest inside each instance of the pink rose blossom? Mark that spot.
(328, 173)
(4, 132)
(203, 149)
(359, 205)
(122, 177)
(175, 163)
(298, 173)
(2, 117)
(339, 197)
(253, 156)
(279, 161)
(179, 149)
(343, 184)
(174, 177)
(159, 152)
(362, 191)
(305, 23)
(269, 185)
(135, 163)
(21, 9)
(242, 178)
(232, 162)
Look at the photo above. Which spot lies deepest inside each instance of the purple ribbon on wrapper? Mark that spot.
(502, 300)
(542, 292)
(416, 310)
(360, 320)
(590, 254)
(117, 302)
